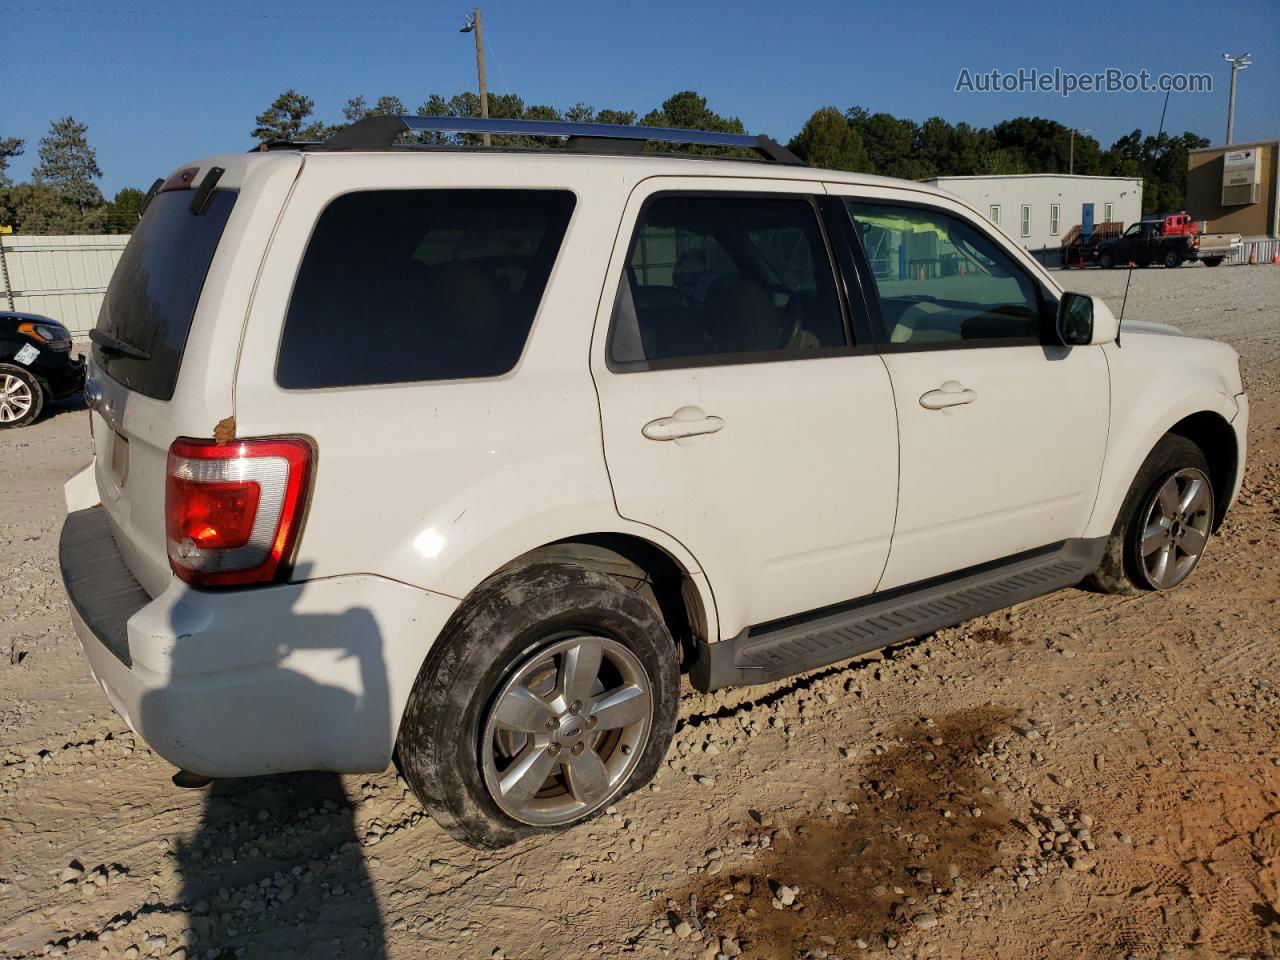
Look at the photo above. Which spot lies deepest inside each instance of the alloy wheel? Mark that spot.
(566, 730)
(1176, 528)
(15, 398)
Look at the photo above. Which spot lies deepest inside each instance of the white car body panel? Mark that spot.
(779, 506)
(323, 688)
(972, 489)
(203, 393)
(1158, 380)
(503, 464)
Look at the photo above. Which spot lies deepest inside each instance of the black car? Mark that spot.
(36, 366)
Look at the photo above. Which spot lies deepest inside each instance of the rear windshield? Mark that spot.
(155, 288)
(399, 286)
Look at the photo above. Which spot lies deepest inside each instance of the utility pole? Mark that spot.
(1237, 63)
(476, 26)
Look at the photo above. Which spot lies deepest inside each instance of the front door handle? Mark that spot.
(950, 394)
(685, 422)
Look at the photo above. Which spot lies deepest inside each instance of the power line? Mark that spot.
(497, 63)
(188, 13)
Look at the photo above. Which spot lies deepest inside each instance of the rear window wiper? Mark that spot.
(113, 345)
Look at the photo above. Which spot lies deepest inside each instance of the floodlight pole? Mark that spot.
(476, 25)
(1237, 63)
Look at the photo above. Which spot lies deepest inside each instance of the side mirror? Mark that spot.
(1074, 323)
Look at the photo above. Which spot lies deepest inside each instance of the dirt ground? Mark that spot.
(1081, 776)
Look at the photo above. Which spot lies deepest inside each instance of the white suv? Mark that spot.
(461, 457)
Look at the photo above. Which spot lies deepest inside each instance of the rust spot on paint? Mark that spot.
(225, 431)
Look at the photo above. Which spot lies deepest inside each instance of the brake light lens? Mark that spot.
(233, 511)
(180, 179)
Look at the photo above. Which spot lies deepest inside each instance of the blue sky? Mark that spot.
(158, 90)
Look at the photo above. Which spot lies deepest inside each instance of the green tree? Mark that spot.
(42, 209)
(624, 118)
(386, 106)
(10, 147)
(890, 143)
(688, 110)
(286, 120)
(355, 109)
(1160, 161)
(827, 140)
(68, 164)
(123, 213)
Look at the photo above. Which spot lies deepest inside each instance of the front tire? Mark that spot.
(1211, 261)
(1164, 523)
(553, 691)
(21, 396)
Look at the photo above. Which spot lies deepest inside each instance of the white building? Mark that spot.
(1039, 209)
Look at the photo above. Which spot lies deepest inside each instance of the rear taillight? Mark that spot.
(233, 511)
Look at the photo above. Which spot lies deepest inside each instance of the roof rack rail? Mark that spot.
(379, 133)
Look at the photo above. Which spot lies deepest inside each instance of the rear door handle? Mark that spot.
(685, 422)
(950, 394)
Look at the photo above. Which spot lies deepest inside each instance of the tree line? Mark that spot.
(63, 197)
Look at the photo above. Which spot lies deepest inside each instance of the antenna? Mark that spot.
(1120, 319)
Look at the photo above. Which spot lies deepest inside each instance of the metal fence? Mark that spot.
(59, 277)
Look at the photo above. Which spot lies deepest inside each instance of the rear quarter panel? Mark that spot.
(438, 484)
(203, 393)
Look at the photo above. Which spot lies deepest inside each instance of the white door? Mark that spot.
(738, 416)
(1002, 434)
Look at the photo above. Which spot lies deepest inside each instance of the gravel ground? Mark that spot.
(1080, 776)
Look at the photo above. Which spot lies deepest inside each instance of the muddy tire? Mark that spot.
(1126, 567)
(21, 396)
(509, 687)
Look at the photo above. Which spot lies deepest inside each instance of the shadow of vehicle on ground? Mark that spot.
(275, 868)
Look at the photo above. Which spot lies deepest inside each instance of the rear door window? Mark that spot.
(402, 286)
(155, 288)
(725, 279)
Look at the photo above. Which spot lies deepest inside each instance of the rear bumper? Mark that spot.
(62, 374)
(305, 676)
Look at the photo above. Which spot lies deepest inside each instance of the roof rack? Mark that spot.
(379, 133)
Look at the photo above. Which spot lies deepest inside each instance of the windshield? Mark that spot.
(154, 290)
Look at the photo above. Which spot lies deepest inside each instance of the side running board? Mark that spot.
(780, 649)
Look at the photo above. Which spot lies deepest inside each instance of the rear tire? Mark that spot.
(509, 686)
(1130, 562)
(21, 396)
(1105, 260)
(1173, 258)
(1211, 261)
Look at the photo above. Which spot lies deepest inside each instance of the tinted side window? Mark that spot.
(716, 276)
(399, 286)
(941, 281)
